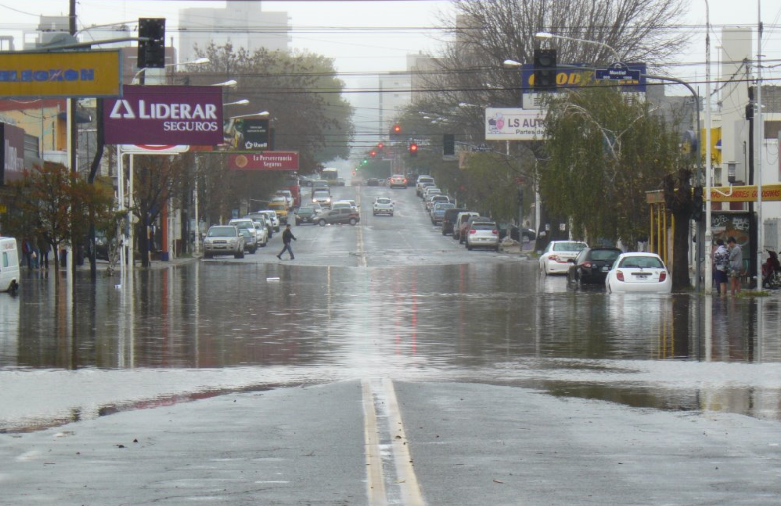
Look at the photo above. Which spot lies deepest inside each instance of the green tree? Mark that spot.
(605, 150)
(56, 204)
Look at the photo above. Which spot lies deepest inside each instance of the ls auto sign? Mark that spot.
(165, 115)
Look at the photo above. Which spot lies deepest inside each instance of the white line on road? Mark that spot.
(403, 474)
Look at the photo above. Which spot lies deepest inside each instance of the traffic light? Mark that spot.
(372, 153)
(448, 144)
(395, 132)
(413, 149)
(545, 69)
(151, 52)
(697, 204)
(380, 145)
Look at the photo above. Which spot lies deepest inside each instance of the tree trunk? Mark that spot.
(678, 199)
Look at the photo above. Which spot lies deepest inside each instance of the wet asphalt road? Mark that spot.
(510, 385)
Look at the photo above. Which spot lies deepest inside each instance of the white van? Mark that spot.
(9, 265)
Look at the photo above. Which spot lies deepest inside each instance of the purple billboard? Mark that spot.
(190, 115)
(11, 154)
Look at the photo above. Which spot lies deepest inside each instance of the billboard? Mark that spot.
(254, 134)
(514, 124)
(573, 77)
(165, 115)
(65, 74)
(12, 153)
(270, 160)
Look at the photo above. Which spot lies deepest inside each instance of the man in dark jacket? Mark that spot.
(287, 236)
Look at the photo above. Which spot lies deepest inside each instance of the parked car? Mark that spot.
(372, 181)
(251, 243)
(481, 233)
(305, 215)
(557, 254)
(423, 181)
(638, 272)
(383, 205)
(397, 181)
(280, 207)
(435, 199)
(460, 224)
(9, 259)
(430, 191)
(271, 215)
(412, 180)
(288, 196)
(438, 211)
(516, 234)
(223, 240)
(449, 220)
(592, 265)
(336, 216)
(265, 219)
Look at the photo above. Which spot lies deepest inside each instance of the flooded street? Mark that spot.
(389, 298)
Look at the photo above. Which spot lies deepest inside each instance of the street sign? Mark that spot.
(617, 72)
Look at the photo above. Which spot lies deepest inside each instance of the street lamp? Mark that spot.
(546, 35)
(230, 83)
(261, 114)
(243, 101)
(198, 61)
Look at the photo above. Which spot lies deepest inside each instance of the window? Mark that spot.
(5, 259)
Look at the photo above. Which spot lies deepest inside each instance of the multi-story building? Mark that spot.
(242, 24)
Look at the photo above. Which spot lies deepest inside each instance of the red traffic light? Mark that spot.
(413, 148)
(380, 145)
(396, 129)
(372, 153)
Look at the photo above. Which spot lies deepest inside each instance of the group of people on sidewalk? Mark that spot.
(35, 253)
(727, 266)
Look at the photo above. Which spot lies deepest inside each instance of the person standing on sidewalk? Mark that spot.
(287, 236)
(721, 267)
(735, 265)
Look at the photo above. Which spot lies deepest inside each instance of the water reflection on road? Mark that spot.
(501, 323)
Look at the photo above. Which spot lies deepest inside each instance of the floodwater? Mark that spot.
(203, 328)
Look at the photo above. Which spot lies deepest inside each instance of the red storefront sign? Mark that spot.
(268, 160)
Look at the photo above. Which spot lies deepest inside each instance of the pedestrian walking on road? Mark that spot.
(721, 267)
(287, 236)
(735, 265)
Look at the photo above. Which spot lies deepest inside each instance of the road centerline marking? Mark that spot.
(375, 480)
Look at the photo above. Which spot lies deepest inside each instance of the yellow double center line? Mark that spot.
(379, 395)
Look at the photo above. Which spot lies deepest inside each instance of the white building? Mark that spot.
(243, 24)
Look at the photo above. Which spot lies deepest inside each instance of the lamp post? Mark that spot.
(141, 74)
(547, 35)
(708, 168)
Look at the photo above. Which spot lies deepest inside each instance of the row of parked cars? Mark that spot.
(241, 235)
(618, 271)
(468, 227)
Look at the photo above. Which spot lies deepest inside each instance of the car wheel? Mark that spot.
(468, 247)
(239, 255)
(353, 221)
(322, 223)
(497, 248)
(253, 250)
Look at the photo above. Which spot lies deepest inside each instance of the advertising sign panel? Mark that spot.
(513, 124)
(270, 160)
(165, 115)
(67, 74)
(574, 77)
(12, 153)
(147, 149)
(254, 134)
